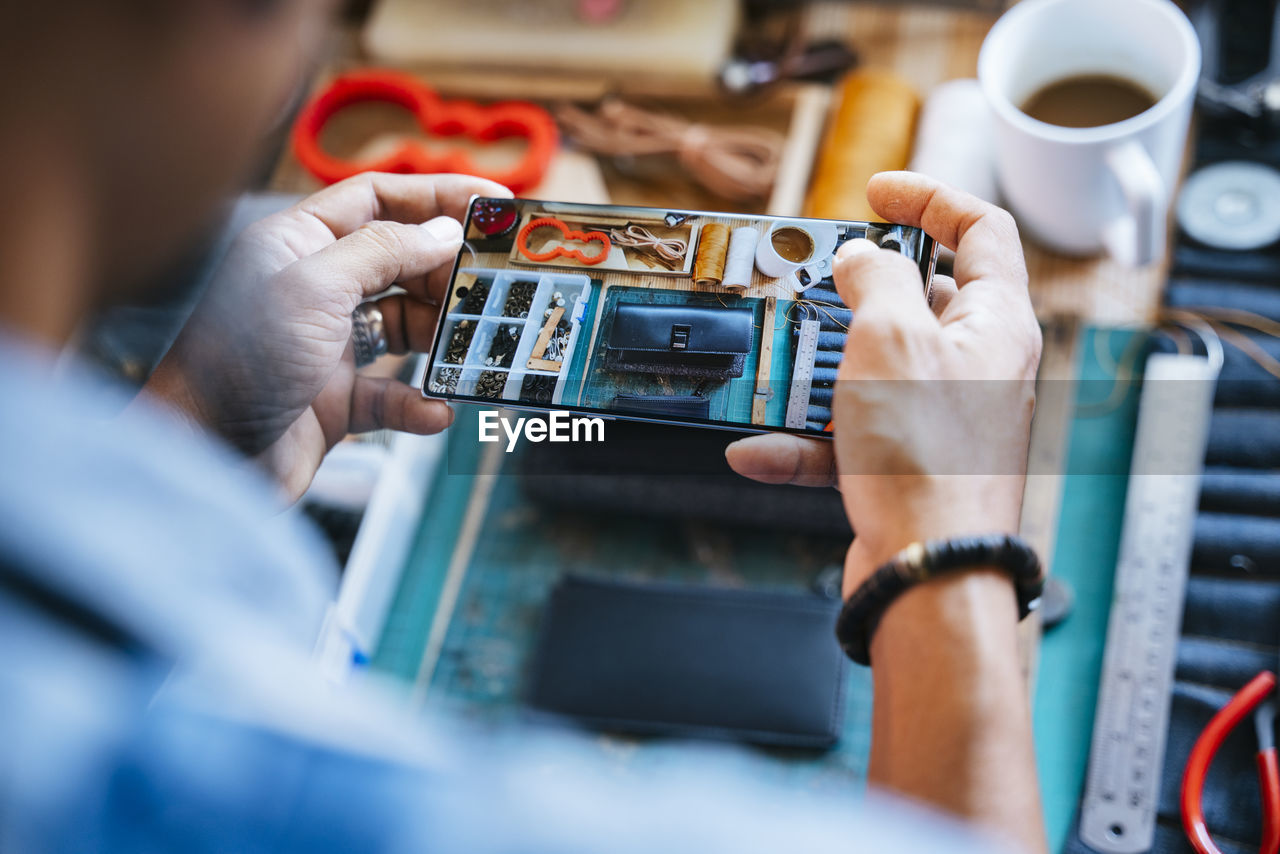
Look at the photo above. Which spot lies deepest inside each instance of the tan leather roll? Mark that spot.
(713, 248)
(870, 131)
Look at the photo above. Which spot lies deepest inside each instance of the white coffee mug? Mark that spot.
(822, 238)
(1078, 190)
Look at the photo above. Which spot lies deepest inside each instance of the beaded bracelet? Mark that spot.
(921, 561)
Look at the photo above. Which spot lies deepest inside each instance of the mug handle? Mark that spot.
(1137, 237)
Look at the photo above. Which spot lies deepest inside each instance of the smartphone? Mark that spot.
(653, 314)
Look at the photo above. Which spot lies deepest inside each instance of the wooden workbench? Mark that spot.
(924, 45)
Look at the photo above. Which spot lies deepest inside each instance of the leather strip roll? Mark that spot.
(713, 249)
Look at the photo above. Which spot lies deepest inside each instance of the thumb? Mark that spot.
(864, 274)
(375, 256)
(780, 458)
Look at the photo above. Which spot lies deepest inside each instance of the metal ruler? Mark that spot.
(802, 374)
(1118, 813)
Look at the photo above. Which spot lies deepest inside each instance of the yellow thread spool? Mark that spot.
(871, 131)
(713, 248)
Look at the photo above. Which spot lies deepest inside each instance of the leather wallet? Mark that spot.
(688, 340)
(686, 405)
(665, 659)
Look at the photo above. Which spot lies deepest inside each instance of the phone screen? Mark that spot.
(676, 316)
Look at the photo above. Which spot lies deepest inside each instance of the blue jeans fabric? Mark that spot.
(1224, 489)
(1231, 619)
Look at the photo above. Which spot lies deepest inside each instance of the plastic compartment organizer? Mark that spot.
(489, 368)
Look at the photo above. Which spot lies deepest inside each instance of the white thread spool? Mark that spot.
(742, 258)
(954, 139)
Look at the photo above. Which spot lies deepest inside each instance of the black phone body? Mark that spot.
(651, 314)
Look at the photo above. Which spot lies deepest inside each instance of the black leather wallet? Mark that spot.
(665, 659)
(689, 340)
(687, 405)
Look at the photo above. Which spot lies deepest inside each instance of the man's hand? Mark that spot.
(931, 412)
(266, 359)
(932, 418)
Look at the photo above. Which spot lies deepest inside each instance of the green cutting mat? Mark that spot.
(520, 550)
(519, 554)
(1088, 541)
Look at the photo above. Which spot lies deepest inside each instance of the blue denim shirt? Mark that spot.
(157, 692)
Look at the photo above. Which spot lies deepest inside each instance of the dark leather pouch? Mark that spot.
(686, 340)
(666, 659)
(684, 405)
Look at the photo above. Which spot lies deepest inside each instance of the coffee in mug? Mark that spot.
(1085, 160)
(1088, 101)
(792, 244)
(788, 246)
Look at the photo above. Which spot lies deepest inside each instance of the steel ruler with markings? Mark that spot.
(802, 374)
(1118, 813)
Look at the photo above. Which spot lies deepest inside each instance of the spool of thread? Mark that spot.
(818, 414)
(827, 358)
(834, 319)
(824, 376)
(870, 131)
(742, 257)
(821, 396)
(954, 138)
(822, 293)
(832, 340)
(713, 249)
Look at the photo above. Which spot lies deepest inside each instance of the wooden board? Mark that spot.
(544, 338)
(655, 45)
(760, 404)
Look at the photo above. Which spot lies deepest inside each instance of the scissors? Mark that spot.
(1259, 699)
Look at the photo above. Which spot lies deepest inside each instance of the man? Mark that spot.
(156, 611)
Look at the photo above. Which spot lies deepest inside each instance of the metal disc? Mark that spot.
(1234, 204)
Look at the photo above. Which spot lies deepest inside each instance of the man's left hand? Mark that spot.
(266, 359)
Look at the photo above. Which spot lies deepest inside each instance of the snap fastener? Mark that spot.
(680, 336)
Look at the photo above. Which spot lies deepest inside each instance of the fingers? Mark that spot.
(374, 257)
(942, 290)
(871, 279)
(983, 236)
(781, 458)
(378, 404)
(410, 323)
(347, 205)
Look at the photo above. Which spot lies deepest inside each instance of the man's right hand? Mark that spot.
(936, 406)
(932, 418)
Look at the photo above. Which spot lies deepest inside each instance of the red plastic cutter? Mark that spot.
(437, 117)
